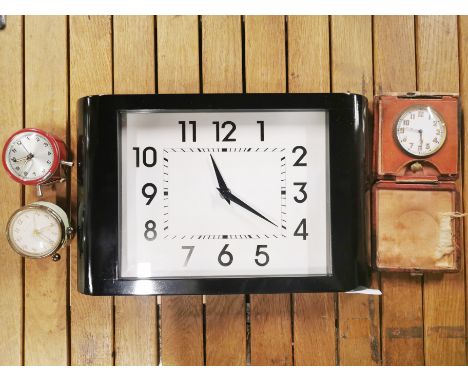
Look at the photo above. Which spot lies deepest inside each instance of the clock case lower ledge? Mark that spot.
(98, 193)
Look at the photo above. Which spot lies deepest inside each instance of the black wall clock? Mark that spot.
(208, 194)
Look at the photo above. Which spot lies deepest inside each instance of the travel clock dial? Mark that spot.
(214, 194)
(420, 131)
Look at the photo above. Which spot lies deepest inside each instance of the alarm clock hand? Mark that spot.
(26, 158)
(223, 188)
(44, 237)
(236, 200)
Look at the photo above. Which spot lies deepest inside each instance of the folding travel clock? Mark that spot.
(416, 218)
(222, 193)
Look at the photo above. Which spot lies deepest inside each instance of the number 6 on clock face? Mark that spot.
(224, 193)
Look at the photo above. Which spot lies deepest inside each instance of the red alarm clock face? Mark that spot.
(31, 156)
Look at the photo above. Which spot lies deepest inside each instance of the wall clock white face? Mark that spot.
(420, 131)
(238, 193)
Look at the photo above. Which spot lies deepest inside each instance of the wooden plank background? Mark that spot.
(45, 321)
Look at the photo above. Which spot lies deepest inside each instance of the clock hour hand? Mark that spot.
(223, 188)
(236, 200)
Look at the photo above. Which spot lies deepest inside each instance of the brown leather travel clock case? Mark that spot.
(416, 215)
(397, 118)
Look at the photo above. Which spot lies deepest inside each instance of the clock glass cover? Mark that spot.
(420, 131)
(30, 156)
(224, 193)
(37, 230)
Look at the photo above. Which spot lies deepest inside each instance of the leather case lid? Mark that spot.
(413, 229)
(391, 161)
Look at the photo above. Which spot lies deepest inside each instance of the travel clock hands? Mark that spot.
(227, 195)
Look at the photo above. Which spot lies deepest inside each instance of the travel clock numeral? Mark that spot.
(226, 124)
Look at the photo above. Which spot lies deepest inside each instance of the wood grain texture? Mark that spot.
(134, 72)
(92, 323)
(359, 324)
(308, 54)
(222, 54)
(463, 61)
(265, 54)
(309, 71)
(444, 298)
(402, 316)
(265, 68)
(225, 332)
(178, 72)
(178, 63)
(46, 73)
(11, 120)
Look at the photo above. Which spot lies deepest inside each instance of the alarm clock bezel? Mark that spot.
(63, 230)
(395, 135)
(55, 163)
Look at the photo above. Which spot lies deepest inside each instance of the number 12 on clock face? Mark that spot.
(215, 194)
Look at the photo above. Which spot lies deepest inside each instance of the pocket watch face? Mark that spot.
(420, 131)
(33, 231)
(224, 194)
(30, 156)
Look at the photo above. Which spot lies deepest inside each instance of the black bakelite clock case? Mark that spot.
(99, 205)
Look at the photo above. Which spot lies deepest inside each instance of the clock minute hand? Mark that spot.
(239, 202)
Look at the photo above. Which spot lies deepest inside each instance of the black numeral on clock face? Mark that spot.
(225, 257)
(302, 186)
(264, 258)
(227, 124)
(262, 130)
(299, 162)
(189, 254)
(194, 130)
(150, 232)
(301, 230)
(151, 194)
(149, 157)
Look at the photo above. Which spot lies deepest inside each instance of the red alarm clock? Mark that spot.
(34, 157)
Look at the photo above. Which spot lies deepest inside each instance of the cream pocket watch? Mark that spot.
(38, 230)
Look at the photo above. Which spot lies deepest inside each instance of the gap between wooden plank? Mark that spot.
(265, 67)
(351, 61)
(134, 72)
(444, 297)
(309, 71)
(221, 58)
(178, 72)
(92, 326)
(402, 321)
(12, 268)
(46, 105)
